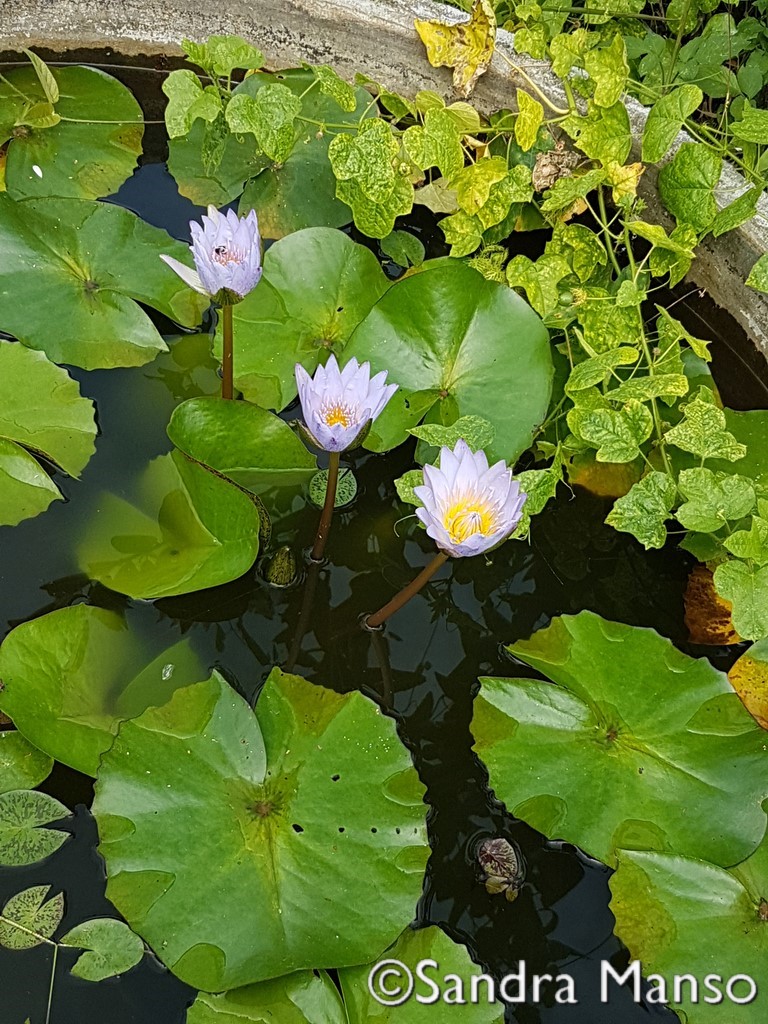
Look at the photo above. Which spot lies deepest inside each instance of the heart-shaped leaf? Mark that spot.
(112, 948)
(22, 766)
(475, 345)
(629, 732)
(27, 919)
(41, 409)
(317, 287)
(73, 675)
(93, 262)
(189, 529)
(235, 842)
(22, 840)
(687, 917)
(244, 442)
(92, 148)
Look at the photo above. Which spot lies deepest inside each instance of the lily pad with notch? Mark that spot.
(628, 732)
(22, 766)
(233, 841)
(94, 262)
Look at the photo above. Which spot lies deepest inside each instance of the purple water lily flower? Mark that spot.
(227, 252)
(339, 404)
(467, 506)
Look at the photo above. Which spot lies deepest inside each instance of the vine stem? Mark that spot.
(542, 96)
(405, 595)
(606, 232)
(227, 355)
(324, 527)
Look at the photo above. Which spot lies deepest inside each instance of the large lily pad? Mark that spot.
(474, 346)
(22, 766)
(90, 151)
(41, 411)
(317, 287)
(687, 917)
(414, 948)
(244, 442)
(245, 846)
(91, 263)
(189, 529)
(305, 997)
(73, 675)
(633, 745)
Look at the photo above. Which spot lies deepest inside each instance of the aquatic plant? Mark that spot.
(339, 407)
(227, 253)
(467, 508)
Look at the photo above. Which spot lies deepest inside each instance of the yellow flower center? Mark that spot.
(464, 519)
(224, 255)
(334, 414)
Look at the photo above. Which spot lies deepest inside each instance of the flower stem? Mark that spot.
(330, 498)
(397, 602)
(227, 357)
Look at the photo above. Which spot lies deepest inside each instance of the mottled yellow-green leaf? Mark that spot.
(608, 69)
(466, 47)
(270, 116)
(529, 118)
(436, 144)
(666, 118)
(758, 275)
(188, 100)
(643, 511)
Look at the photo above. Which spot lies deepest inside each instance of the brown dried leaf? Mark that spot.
(707, 615)
(466, 47)
(749, 678)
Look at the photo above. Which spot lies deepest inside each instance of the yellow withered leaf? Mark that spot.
(466, 47)
(749, 678)
(707, 615)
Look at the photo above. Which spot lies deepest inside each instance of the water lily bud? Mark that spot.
(227, 253)
(467, 506)
(339, 406)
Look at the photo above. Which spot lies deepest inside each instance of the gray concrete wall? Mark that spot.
(377, 37)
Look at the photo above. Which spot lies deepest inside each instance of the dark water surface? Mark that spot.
(423, 669)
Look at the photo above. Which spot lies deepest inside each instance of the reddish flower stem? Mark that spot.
(397, 602)
(324, 527)
(227, 355)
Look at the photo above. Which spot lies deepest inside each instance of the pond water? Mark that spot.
(423, 669)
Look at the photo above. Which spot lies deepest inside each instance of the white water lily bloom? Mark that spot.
(227, 252)
(339, 404)
(467, 506)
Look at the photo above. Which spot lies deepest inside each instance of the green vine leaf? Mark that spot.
(111, 948)
(737, 213)
(687, 184)
(666, 118)
(616, 433)
(188, 101)
(752, 544)
(566, 192)
(746, 587)
(713, 499)
(758, 275)
(753, 126)
(366, 159)
(702, 431)
(435, 144)
(220, 55)
(608, 68)
(269, 116)
(644, 510)
(604, 134)
(597, 369)
(528, 121)
(30, 910)
(22, 839)
(671, 331)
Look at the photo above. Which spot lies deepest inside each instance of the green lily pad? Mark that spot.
(93, 262)
(243, 442)
(189, 529)
(22, 766)
(92, 149)
(475, 343)
(22, 840)
(41, 409)
(111, 948)
(633, 745)
(411, 949)
(316, 288)
(681, 916)
(73, 675)
(234, 841)
(305, 997)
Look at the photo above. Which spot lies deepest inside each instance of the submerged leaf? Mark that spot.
(629, 731)
(294, 799)
(73, 675)
(707, 616)
(304, 997)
